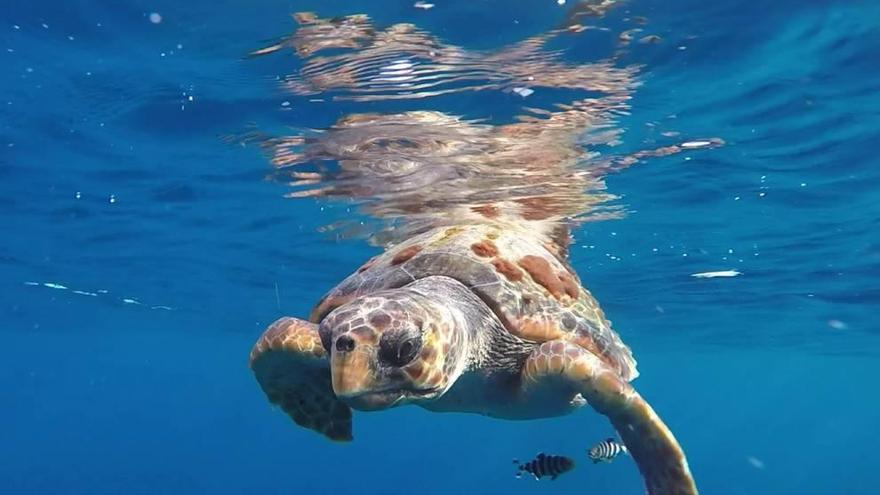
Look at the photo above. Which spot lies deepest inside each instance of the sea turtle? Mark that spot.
(470, 318)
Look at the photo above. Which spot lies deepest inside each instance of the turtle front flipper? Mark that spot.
(292, 368)
(656, 451)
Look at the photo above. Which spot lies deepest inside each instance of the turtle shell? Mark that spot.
(523, 280)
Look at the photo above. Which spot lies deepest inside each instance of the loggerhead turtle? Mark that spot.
(471, 318)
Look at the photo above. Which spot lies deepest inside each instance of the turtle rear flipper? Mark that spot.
(650, 443)
(292, 368)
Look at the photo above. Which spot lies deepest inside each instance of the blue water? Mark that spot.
(116, 184)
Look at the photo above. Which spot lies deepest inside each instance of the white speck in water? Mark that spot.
(736, 198)
(10, 50)
(52, 285)
(423, 5)
(29, 70)
(179, 46)
(655, 250)
(162, 54)
(722, 273)
(45, 26)
(155, 17)
(112, 198)
(803, 184)
(16, 26)
(130, 301)
(837, 325)
(190, 98)
(31, 283)
(696, 144)
(524, 92)
(755, 462)
(88, 73)
(285, 103)
(560, 2)
(77, 195)
(70, 38)
(85, 293)
(682, 48)
(761, 194)
(614, 233)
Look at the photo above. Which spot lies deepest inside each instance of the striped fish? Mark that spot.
(545, 465)
(606, 450)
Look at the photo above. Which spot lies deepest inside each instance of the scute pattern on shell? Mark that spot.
(535, 295)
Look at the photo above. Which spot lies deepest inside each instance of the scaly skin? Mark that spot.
(650, 442)
(534, 294)
(291, 366)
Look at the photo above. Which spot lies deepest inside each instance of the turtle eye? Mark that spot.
(399, 350)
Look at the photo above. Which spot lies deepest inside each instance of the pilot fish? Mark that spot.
(606, 450)
(545, 465)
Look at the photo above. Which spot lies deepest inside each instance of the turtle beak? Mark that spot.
(351, 367)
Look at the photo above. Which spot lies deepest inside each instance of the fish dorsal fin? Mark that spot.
(610, 440)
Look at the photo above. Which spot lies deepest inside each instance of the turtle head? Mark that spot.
(392, 347)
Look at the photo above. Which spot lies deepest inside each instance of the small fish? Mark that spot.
(606, 451)
(545, 465)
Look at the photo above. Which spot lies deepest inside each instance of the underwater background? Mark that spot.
(143, 252)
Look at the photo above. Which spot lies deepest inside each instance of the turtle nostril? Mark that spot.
(345, 343)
